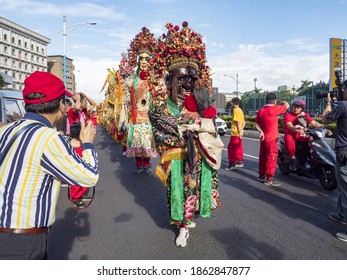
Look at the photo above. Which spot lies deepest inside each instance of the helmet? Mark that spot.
(300, 103)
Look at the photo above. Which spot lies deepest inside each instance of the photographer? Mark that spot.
(339, 114)
(80, 111)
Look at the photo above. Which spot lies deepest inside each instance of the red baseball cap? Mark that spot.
(45, 83)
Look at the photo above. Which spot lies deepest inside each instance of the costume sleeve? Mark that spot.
(61, 161)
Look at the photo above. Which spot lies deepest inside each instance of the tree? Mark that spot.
(2, 82)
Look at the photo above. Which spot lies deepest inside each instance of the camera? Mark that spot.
(324, 94)
(75, 129)
(337, 91)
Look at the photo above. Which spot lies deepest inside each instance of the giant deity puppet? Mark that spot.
(139, 132)
(182, 116)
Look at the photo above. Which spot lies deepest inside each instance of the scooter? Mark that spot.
(317, 163)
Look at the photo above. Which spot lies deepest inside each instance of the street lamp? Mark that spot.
(67, 29)
(236, 81)
(255, 93)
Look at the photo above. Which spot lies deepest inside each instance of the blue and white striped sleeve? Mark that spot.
(60, 160)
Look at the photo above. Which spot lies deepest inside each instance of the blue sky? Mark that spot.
(277, 42)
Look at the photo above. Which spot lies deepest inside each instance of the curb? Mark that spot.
(255, 134)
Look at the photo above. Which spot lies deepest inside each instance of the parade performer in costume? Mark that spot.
(140, 138)
(184, 128)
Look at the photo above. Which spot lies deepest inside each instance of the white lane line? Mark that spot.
(246, 155)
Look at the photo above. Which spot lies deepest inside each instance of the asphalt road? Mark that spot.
(128, 219)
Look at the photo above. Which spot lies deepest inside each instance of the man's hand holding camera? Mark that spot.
(88, 132)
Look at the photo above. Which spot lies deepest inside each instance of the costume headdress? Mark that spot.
(180, 48)
(143, 42)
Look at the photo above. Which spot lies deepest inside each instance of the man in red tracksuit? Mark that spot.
(266, 123)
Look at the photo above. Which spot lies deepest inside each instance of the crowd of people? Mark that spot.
(158, 103)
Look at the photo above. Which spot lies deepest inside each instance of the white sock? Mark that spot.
(182, 237)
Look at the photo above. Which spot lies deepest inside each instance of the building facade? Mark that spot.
(55, 64)
(22, 52)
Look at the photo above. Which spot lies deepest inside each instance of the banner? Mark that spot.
(335, 59)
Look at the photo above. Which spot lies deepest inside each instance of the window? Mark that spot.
(13, 51)
(43, 51)
(19, 42)
(13, 40)
(37, 49)
(26, 45)
(14, 110)
(5, 49)
(32, 47)
(5, 37)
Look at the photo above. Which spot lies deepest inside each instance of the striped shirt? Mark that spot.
(31, 173)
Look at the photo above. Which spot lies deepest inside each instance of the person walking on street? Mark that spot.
(266, 123)
(34, 160)
(235, 147)
(339, 114)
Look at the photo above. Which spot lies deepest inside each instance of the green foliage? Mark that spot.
(2, 82)
(250, 123)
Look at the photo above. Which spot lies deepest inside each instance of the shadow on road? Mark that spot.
(75, 224)
(294, 198)
(239, 245)
(146, 188)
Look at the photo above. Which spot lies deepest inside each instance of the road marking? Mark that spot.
(246, 155)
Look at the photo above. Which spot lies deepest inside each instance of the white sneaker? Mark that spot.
(124, 153)
(182, 237)
(191, 225)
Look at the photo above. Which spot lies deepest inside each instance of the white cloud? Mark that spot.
(77, 9)
(91, 75)
(271, 71)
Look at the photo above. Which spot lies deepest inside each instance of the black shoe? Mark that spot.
(272, 182)
(79, 203)
(147, 169)
(336, 217)
(292, 164)
(261, 178)
(342, 236)
(230, 167)
(138, 170)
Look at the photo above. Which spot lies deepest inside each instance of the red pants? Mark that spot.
(290, 142)
(235, 150)
(76, 192)
(142, 162)
(268, 158)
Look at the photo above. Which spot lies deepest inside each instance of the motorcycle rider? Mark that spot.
(339, 114)
(295, 123)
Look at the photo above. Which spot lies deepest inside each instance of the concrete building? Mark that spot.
(219, 100)
(55, 64)
(22, 52)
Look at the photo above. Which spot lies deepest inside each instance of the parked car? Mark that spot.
(221, 126)
(12, 105)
